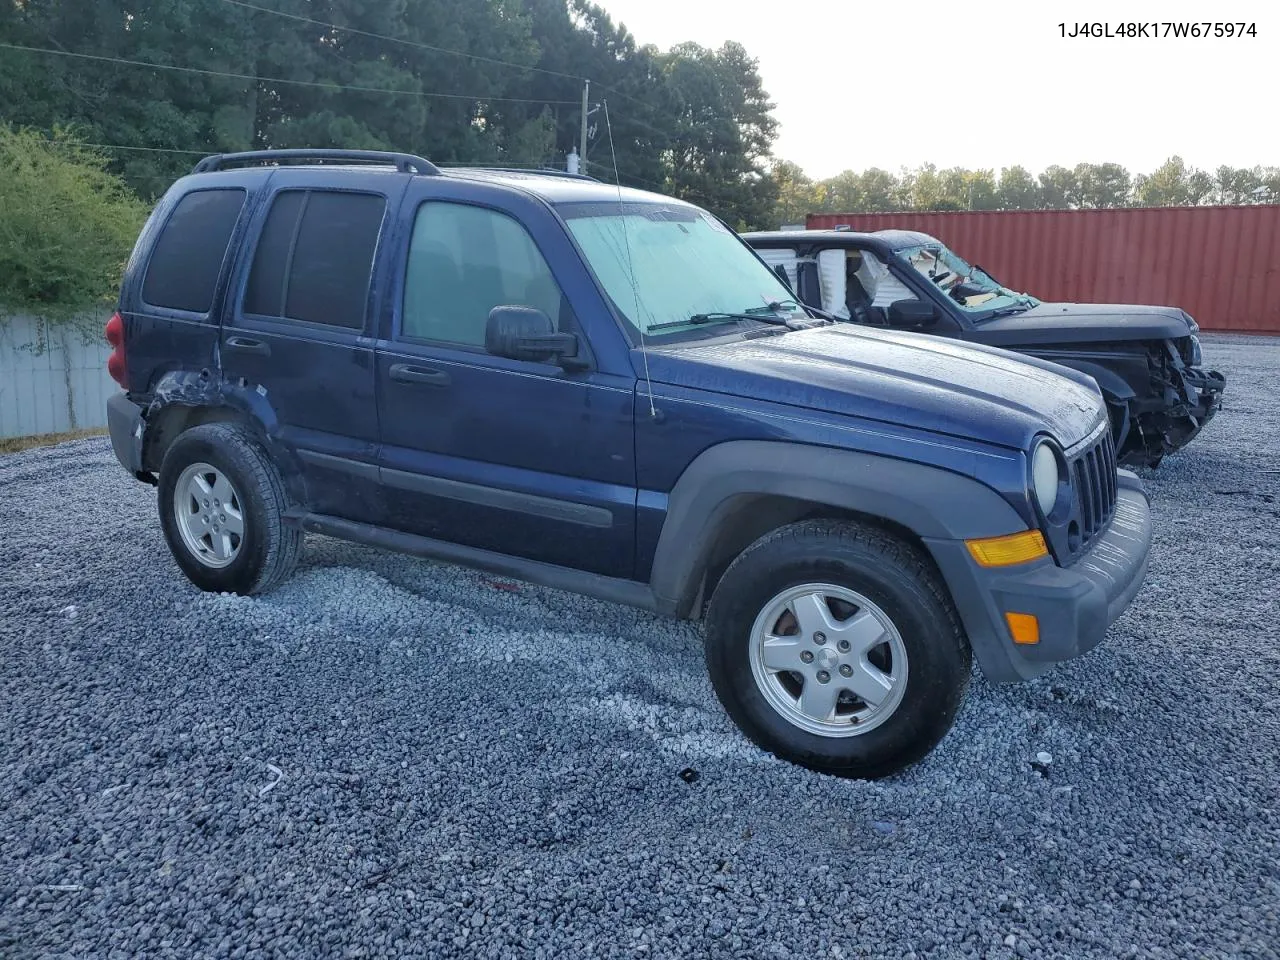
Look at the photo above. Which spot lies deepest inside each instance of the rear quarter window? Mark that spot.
(186, 262)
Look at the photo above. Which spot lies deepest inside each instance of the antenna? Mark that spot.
(631, 272)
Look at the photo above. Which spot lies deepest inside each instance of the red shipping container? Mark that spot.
(1220, 264)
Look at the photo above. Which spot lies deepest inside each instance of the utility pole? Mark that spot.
(582, 147)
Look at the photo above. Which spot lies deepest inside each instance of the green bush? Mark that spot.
(67, 226)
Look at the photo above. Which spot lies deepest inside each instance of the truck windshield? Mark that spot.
(665, 264)
(972, 288)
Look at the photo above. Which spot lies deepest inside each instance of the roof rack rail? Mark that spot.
(531, 171)
(404, 162)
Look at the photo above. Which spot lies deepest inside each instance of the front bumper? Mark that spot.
(124, 423)
(1205, 388)
(1160, 430)
(1074, 605)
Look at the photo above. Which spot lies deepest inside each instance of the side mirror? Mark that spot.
(525, 333)
(909, 314)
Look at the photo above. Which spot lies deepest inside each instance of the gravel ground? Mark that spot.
(394, 757)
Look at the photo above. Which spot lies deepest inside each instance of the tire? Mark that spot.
(917, 664)
(247, 546)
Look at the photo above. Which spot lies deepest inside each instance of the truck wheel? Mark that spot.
(834, 645)
(222, 504)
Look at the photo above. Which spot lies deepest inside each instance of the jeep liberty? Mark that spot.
(607, 391)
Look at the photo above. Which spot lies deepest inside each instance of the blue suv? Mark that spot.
(607, 391)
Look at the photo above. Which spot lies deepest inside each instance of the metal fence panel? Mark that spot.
(52, 379)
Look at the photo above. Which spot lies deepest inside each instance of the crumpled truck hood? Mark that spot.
(1087, 323)
(916, 380)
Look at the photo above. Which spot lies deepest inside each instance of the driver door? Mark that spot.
(522, 458)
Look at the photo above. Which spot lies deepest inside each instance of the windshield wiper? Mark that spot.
(777, 305)
(1006, 311)
(701, 318)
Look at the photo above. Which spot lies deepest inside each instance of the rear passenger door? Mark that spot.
(297, 332)
(522, 458)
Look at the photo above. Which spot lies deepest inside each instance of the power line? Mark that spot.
(401, 40)
(459, 53)
(120, 146)
(204, 153)
(648, 106)
(281, 80)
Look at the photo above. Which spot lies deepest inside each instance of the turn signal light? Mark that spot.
(1008, 550)
(1024, 627)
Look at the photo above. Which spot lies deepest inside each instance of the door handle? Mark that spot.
(406, 373)
(245, 345)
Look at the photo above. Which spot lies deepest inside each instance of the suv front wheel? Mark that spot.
(833, 645)
(222, 503)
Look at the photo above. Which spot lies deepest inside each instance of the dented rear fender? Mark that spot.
(181, 400)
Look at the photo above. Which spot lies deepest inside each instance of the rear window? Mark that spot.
(315, 257)
(187, 258)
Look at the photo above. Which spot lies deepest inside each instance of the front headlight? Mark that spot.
(1044, 477)
(1197, 357)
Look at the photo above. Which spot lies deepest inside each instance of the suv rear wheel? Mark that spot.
(833, 645)
(222, 504)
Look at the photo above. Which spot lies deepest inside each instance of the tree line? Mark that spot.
(1084, 186)
(160, 82)
(104, 103)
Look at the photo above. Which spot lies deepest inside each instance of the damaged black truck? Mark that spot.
(1146, 359)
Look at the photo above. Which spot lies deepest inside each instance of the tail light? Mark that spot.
(114, 333)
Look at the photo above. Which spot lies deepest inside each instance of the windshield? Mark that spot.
(972, 288)
(663, 264)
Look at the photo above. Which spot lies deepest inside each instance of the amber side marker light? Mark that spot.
(1024, 627)
(1008, 550)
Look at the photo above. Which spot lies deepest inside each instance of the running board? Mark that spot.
(628, 592)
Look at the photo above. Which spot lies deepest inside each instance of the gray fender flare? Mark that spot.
(929, 501)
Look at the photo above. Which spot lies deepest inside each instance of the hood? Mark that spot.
(916, 380)
(1087, 323)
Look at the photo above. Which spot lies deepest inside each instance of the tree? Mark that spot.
(1237, 185)
(842, 193)
(628, 91)
(1173, 184)
(723, 132)
(798, 195)
(1101, 185)
(872, 191)
(880, 191)
(928, 189)
(68, 225)
(1269, 188)
(1059, 188)
(297, 83)
(1018, 190)
(980, 191)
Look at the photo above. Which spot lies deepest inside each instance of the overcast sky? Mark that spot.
(982, 83)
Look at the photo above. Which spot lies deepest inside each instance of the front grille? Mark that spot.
(1093, 474)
